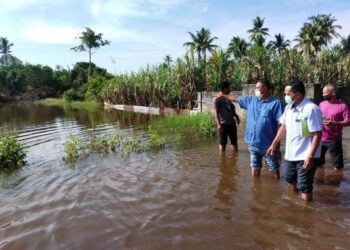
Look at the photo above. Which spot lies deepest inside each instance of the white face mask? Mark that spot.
(257, 93)
(288, 99)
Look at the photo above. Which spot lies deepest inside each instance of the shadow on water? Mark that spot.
(187, 197)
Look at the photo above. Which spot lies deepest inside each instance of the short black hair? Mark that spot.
(224, 85)
(265, 82)
(297, 86)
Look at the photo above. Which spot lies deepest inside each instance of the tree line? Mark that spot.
(174, 83)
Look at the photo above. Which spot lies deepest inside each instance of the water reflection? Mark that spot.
(177, 198)
(329, 177)
(227, 183)
(18, 115)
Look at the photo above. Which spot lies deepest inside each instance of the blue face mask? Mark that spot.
(288, 99)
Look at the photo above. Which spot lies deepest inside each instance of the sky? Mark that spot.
(144, 31)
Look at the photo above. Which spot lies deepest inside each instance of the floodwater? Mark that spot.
(177, 198)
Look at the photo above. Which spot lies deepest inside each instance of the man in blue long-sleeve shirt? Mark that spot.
(263, 113)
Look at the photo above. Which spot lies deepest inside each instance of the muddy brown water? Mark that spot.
(179, 198)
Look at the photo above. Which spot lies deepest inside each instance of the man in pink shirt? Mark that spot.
(336, 115)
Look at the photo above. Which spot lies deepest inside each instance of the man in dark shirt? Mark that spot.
(226, 118)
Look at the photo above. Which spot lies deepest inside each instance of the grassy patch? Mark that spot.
(163, 131)
(90, 105)
(175, 128)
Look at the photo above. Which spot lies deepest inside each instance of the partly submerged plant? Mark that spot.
(12, 153)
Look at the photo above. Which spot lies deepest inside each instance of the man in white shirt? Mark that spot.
(301, 123)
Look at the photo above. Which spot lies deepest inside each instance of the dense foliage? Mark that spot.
(312, 58)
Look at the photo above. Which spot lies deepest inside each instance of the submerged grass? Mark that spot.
(162, 132)
(90, 105)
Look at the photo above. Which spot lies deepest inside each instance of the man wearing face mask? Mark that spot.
(336, 115)
(301, 123)
(263, 112)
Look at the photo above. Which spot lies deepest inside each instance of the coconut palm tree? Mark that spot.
(258, 32)
(89, 41)
(345, 44)
(195, 45)
(280, 43)
(6, 57)
(316, 34)
(5, 50)
(201, 43)
(308, 40)
(207, 43)
(238, 47)
(326, 29)
(168, 60)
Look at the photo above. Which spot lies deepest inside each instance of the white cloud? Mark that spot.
(44, 34)
(11, 5)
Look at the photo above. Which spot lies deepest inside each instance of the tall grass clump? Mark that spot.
(181, 129)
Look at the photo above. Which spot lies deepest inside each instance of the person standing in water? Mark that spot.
(301, 123)
(226, 118)
(263, 112)
(336, 115)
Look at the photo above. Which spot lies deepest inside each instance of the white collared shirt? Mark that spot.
(297, 146)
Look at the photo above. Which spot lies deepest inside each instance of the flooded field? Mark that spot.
(178, 198)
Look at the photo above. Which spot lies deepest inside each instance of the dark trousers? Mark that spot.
(335, 150)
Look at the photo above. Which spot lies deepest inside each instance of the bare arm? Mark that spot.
(237, 118)
(217, 120)
(316, 139)
(337, 123)
(232, 98)
(281, 133)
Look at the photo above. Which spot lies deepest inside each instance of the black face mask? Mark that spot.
(326, 97)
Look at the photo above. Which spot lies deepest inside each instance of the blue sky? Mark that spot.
(143, 31)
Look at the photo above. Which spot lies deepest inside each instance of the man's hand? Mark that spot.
(219, 127)
(330, 123)
(271, 150)
(308, 163)
(327, 122)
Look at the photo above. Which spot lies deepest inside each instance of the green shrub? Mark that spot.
(73, 146)
(71, 95)
(94, 89)
(12, 153)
